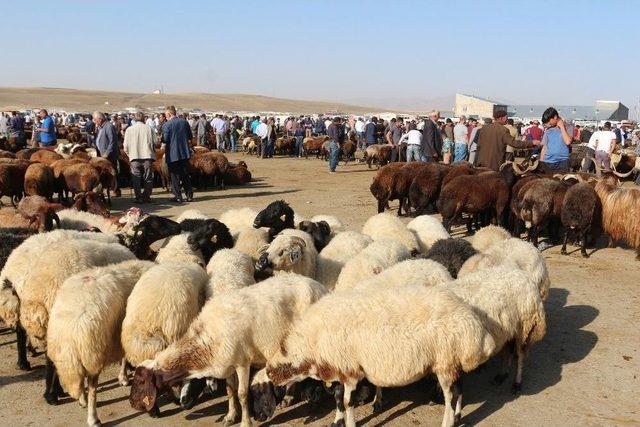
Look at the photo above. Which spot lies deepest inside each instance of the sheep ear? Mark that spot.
(214, 239)
(295, 254)
(283, 217)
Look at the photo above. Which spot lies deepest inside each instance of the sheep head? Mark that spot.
(320, 231)
(277, 216)
(282, 254)
(148, 384)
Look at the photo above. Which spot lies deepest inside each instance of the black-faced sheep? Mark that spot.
(320, 231)
(581, 214)
(215, 237)
(277, 216)
(451, 253)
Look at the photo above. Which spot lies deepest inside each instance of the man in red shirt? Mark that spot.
(534, 133)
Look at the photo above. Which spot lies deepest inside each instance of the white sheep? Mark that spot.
(237, 219)
(64, 258)
(233, 332)
(180, 248)
(229, 269)
(21, 261)
(250, 240)
(84, 330)
(291, 251)
(488, 236)
(392, 338)
(387, 226)
(72, 219)
(427, 230)
(372, 260)
(424, 272)
(336, 225)
(512, 252)
(165, 300)
(191, 214)
(511, 309)
(334, 256)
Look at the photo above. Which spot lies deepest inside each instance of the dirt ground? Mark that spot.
(585, 371)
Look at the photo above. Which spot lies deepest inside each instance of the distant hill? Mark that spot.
(91, 100)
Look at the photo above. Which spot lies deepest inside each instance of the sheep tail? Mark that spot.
(9, 307)
(536, 327)
(71, 373)
(34, 317)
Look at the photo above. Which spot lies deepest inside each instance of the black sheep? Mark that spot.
(451, 253)
(208, 235)
(320, 231)
(580, 214)
(150, 229)
(277, 216)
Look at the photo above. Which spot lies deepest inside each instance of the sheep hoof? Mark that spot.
(563, 252)
(340, 423)
(377, 406)
(516, 388)
(286, 401)
(51, 399)
(24, 366)
(229, 419)
(585, 255)
(154, 412)
(499, 379)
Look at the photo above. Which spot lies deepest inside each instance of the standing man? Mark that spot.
(555, 142)
(431, 138)
(220, 127)
(107, 143)
(138, 144)
(412, 139)
(370, 132)
(47, 129)
(360, 133)
(393, 137)
(16, 127)
(492, 141)
(513, 131)
(262, 130)
(333, 133)
(176, 134)
(4, 126)
(605, 144)
(461, 140)
(202, 126)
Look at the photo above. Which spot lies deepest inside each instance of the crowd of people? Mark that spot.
(488, 142)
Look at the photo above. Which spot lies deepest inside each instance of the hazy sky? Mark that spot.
(548, 52)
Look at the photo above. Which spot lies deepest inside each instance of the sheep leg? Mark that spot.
(232, 414)
(458, 409)
(583, 248)
(506, 355)
(446, 384)
(377, 400)
(563, 251)
(243, 373)
(49, 376)
(289, 396)
(92, 407)
(123, 378)
(338, 395)
(349, 392)
(21, 341)
(517, 383)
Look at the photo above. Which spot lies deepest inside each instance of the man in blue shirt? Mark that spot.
(176, 134)
(555, 143)
(370, 132)
(47, 129)
(107, 143)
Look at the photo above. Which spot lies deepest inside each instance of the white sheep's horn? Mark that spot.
(504, 165)
(569, 176)
(534, 165)
(517, 168)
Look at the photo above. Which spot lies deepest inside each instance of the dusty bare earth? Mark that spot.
(585, 372)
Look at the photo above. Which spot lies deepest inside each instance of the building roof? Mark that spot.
(482, 99)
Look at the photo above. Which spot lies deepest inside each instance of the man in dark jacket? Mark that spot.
(107, 142)
(370, 132)
(431, 144)
(176, 134)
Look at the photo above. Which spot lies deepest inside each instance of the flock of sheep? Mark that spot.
(578, 205)
(247, 298)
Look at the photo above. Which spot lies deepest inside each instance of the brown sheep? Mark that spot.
(314, 144)
(378, 153)
(581, 214)
(39, 181)
(92, 203)
(26, 153)
(426, 185)
(12, 179)
(45, 156)
(58, 167)
(74, 136)
(81, 178)
(285, 145)
(459, 169)
(199, 150)
(393, 182)
(237, 174)
(348, 150)
(160, 169)
(515, 205)
(39, 212)
(620, 212)
(82, 155)
(207, 166)
(7, 155)
(474, 195)
(107, 174)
